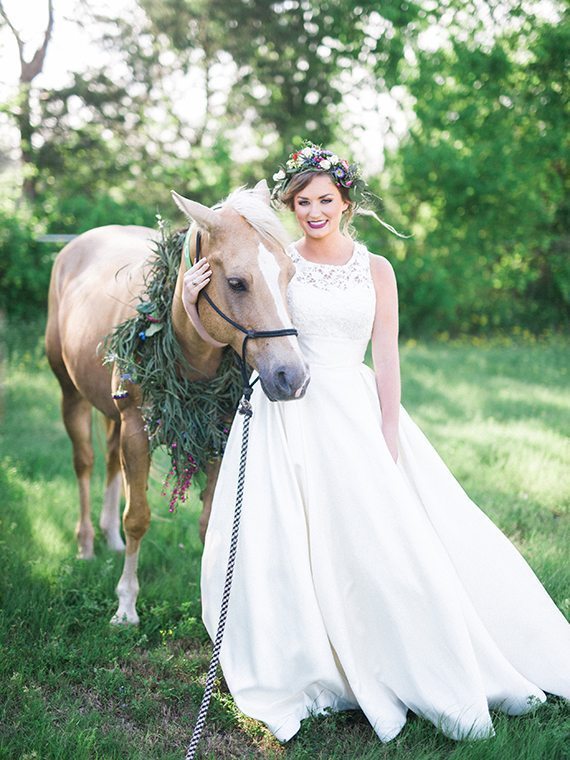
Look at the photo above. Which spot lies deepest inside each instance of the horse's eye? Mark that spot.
(236, 284)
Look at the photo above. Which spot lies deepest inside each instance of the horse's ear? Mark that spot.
(202, 215)
(263, 189)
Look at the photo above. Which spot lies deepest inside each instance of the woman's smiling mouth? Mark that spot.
(317, 225)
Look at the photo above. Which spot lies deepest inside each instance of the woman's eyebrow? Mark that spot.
(304, 198)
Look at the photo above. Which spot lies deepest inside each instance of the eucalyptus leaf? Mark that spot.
(154, 328)
(146, 307)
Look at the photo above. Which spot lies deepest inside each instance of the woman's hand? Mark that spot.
(196, 278)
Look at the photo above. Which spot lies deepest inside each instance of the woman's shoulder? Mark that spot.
(381, 270)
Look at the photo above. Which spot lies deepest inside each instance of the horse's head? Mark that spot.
(244, 243)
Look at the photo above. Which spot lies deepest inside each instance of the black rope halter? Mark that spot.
(249, 334)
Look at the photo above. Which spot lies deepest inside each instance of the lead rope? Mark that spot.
(246, 410)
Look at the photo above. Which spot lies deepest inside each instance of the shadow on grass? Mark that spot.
(489, 374)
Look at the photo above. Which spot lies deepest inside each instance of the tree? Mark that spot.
(484, 177)
(29, 70)
(289, 57)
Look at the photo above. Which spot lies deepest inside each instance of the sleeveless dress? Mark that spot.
(359, 582)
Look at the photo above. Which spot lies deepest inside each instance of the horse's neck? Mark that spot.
(202, 356)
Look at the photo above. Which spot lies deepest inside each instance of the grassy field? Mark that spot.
(72, 687)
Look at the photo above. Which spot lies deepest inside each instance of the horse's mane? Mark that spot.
(254, 209)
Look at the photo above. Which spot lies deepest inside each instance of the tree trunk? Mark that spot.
(28, 72)
(24, 120)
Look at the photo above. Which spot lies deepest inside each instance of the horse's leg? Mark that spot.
(135, 461)
(110, 518)
(76, 412)
(207, 495)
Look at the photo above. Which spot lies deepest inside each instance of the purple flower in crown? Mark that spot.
(312, 157)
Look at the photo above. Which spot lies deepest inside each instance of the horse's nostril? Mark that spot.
(282, 381)
(285, 382)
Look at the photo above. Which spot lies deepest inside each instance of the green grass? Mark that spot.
(72, 687)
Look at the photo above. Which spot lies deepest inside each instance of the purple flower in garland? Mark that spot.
(142, 335)
(182, 481)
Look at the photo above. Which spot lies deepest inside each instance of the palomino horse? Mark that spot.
(96, 283)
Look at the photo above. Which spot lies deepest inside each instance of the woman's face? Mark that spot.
(319, 206)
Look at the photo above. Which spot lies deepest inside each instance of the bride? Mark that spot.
(365, 576)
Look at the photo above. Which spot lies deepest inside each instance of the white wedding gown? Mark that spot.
(360, 582)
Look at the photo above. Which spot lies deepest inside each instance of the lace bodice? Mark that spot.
(328, 301)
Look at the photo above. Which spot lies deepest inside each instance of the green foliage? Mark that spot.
(24, 266)
(209, 175)
(77, 213)
(25, 262)
(291, 59)
(484, 184)
(481, 179)
(94, 152)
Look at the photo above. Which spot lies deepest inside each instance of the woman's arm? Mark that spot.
(385, 349)
(196, 278)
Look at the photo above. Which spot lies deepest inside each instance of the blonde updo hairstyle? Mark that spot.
(300, 181)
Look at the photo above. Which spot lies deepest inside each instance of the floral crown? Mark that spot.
(312, 157)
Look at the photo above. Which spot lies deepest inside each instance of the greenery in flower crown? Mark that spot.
(313, 157)
(190, 418)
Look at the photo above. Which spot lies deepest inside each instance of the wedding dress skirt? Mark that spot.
(360, 582)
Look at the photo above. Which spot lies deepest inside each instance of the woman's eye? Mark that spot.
(326, 200)
(236, 284)
(303, 203)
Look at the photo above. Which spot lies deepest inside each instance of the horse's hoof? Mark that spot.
(123, 619)
(85, 538)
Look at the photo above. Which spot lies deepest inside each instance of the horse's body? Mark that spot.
(96, 284)
(97, 281)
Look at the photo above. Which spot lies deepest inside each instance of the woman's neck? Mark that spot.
(331, 248)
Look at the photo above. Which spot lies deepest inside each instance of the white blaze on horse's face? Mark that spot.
(281, 378)
(270, 270)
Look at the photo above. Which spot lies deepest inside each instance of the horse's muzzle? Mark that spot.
(285, 382)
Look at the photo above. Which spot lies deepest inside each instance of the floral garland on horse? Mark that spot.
(189, 418)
